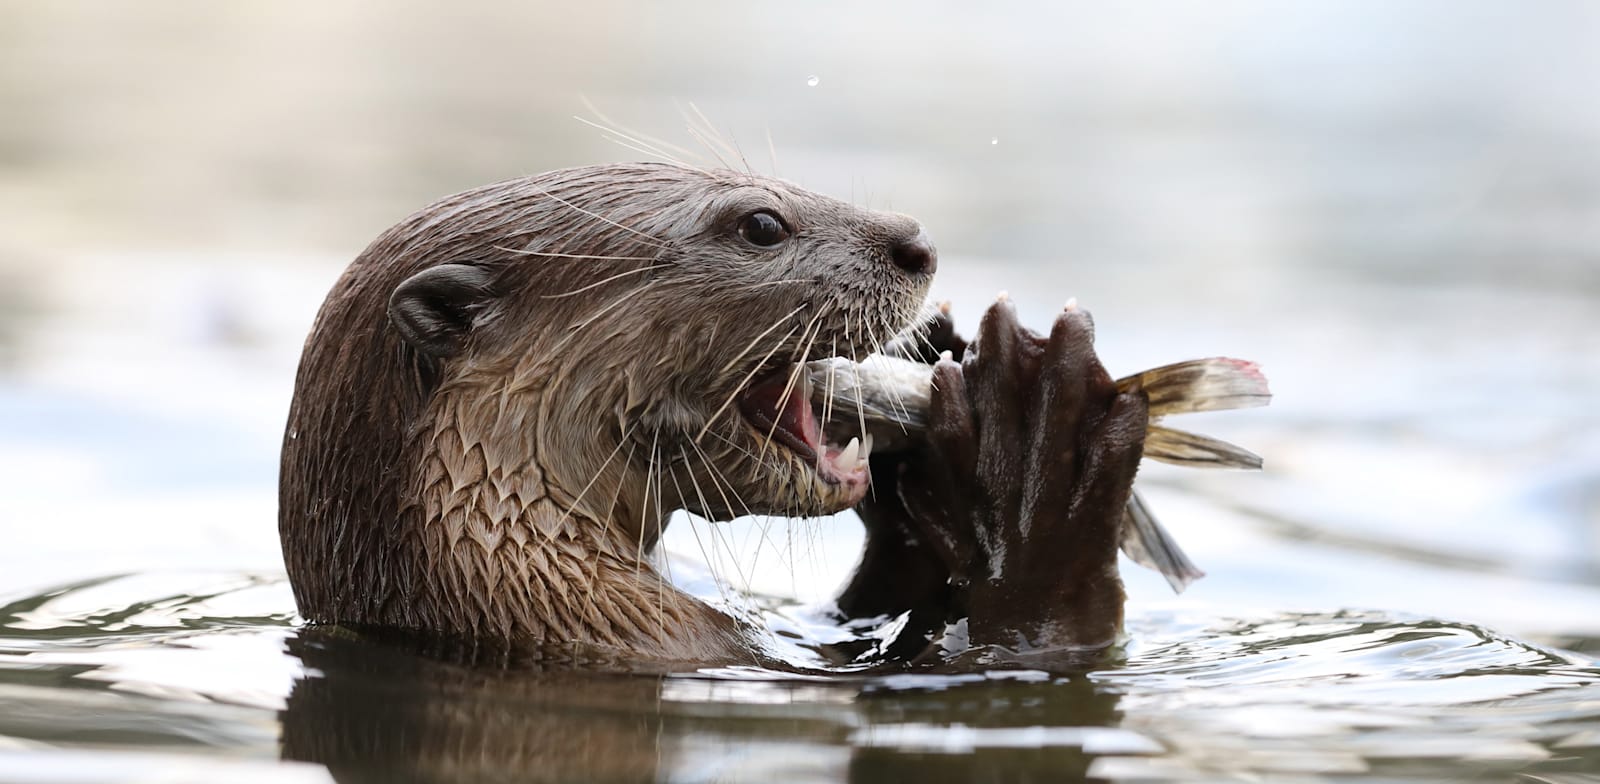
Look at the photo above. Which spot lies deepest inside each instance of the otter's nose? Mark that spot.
(916, 255)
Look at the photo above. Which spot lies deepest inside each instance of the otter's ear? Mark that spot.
(433, 309)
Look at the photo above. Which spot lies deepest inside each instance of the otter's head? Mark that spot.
(617, 341)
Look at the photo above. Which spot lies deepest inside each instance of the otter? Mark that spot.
(506, 394)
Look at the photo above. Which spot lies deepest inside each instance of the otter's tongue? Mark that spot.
(764, 404)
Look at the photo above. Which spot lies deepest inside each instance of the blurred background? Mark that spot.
(1394, 207)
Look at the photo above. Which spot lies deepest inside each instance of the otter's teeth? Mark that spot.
(850, 457)
(866, 447)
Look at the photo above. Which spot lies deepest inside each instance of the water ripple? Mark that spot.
(163, 663)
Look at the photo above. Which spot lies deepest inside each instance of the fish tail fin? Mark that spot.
(1151, 546)
(1190, 449)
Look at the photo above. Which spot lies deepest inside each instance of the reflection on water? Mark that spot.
(225, 678)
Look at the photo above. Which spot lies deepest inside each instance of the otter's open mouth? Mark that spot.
(783, 408)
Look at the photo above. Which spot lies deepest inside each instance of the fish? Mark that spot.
(888, 399)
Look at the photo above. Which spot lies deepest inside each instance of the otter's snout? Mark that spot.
(916, 255)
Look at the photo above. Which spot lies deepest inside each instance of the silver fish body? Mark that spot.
(888, 398)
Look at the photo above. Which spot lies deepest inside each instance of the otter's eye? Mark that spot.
(763, 228)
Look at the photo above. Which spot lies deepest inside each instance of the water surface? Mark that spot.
(222, 683)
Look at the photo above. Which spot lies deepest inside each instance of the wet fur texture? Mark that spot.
(510, 489)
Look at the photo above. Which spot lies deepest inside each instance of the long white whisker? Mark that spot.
(732, 554)
(601, 312)
(648, 153)
(655, 468)
(794, 375)
(599, 472)
(623, 139)
(554, 255)
(772, 149)
(740, 387)
(705, 142)
(763, 527)
(652, 473)
(861, 411)
(605, 530)
(711, 563)
(757, 339)
(740, 150)
(661, 146)
(895, 398)
(714, 134)
(827, 399)
(730, 442)
(574, 330)
(764, 284)
(713, 475)
(598, 283)
(655, 241)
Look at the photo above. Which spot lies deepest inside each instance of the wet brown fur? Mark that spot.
(513, 490)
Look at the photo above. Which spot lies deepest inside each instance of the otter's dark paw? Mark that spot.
(1021, 489)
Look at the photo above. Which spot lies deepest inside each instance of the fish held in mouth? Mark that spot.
(887, 397)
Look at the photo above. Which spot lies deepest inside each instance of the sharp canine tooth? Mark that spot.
(849, 456)
(866, 447)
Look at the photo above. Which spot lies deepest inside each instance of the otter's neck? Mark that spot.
(522, 547)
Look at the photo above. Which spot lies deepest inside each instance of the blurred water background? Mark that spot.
(1394, 207)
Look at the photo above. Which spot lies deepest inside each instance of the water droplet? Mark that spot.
(994, 140)
(813, 81)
